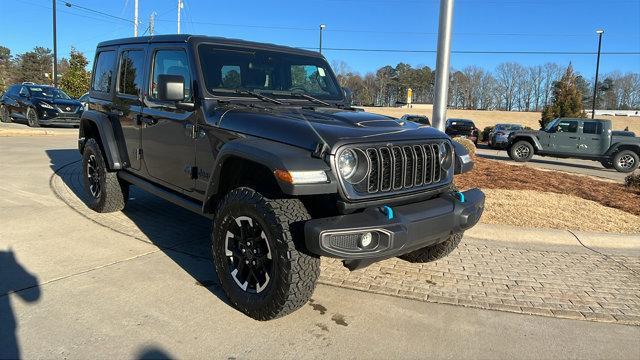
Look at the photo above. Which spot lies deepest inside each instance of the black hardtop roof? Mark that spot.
(195, 39)
(583, 119)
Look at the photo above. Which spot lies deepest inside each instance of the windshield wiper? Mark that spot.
(310, 98)
(259, 96)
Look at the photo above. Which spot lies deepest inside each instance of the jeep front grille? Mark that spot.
(398, 168)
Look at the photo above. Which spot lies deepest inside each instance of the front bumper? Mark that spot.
(410, 227)
(55, 117)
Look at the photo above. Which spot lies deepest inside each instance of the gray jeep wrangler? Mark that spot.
(261, 139)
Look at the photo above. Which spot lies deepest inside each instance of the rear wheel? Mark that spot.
(259, 255)
(4, 115)
(32, 118)
(434, 252)
(521, 151)
(106, 193)
(625, 161)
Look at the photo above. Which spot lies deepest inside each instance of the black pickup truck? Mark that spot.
(578, 138)
(261, 139)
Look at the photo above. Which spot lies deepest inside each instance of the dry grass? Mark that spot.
(490, 174)
(529, 208)
(490, 118)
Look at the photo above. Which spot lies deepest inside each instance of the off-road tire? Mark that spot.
(32, 118)
(294, 270)
(521, 151)
(434, 252)
(112, 194)
(626, 161)
(4, 115)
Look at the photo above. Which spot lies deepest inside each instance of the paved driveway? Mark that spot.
(576, 166)
(140, 284)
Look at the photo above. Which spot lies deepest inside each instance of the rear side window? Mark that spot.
(592, 127)
(130, 74)
(103, 74)
(171, 62)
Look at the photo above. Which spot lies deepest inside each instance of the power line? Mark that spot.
(70, 4)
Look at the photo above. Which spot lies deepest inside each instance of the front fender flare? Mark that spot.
(273, 155)
(106, 135)
(536, 142)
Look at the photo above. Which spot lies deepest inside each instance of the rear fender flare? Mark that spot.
(613, 149)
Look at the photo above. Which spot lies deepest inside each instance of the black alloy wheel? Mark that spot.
(4, 113)
(32, 118)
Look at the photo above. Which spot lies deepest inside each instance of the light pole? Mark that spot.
(595, 85)
(442, 64)
(55, 48)
(322, 26)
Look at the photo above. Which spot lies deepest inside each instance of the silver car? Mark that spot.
(499, 136)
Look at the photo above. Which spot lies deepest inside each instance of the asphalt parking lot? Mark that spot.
(576, 166)
(140, 284)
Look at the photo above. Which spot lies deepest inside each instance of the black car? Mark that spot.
(261, 139)
(462, 128)
(39, 105)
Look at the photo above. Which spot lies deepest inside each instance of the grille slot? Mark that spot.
(396, 168)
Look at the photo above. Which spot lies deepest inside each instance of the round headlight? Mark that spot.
(347, 163)
(445, 155)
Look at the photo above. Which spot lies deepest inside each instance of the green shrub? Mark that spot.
(633, 181)
(468, 144)
(485, 133)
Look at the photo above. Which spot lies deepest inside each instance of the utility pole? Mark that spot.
(152, 19)
(179, 9)
(322, 26)
(595, 85)
(443, 61)
(55, 48)
(135, 18)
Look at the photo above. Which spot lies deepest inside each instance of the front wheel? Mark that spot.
(434, 252)
(4, 115)
(32, 118)
(259, 254)
(106, 193)
(522, 151)
(625, 161)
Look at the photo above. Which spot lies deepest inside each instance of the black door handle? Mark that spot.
(573, 137)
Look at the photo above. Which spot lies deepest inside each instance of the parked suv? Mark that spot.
(462, 128)
(499, 135)
(261, 139)
(578, 138)
(39, 105)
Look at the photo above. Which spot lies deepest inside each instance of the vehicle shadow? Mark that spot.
(180, 234)
(153, 353)
(544, 161)
(16, 280)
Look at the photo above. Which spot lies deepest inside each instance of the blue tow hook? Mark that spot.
(387, 210)
(460, 196)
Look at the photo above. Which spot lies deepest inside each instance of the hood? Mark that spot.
(60, 102)
(305, 127)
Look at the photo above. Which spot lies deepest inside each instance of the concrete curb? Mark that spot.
(623, 244)
(4, 132)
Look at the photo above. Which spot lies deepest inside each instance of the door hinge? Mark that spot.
(139, 154)
(194, 172)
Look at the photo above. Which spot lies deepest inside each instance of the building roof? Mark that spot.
(186, 38)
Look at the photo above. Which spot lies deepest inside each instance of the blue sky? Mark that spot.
(543, 25)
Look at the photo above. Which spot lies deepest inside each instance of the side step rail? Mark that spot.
(149, 187)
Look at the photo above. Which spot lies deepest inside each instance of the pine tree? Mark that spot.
(75, 81)
(566, 101)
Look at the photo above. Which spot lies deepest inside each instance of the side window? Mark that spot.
(565, 126)
(171, 62)
(130, 73)
(103, 73)
(592, 127)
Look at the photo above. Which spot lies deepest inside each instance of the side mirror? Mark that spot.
(170, 87)
(23, 95)
(348, 95)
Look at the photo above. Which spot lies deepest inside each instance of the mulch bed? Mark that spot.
(491, 174)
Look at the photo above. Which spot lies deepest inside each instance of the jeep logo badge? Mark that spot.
(68, 108)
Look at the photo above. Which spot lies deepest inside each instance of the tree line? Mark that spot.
(36, 66)
(510, 86)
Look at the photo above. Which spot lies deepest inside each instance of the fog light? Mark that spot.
(366, 240)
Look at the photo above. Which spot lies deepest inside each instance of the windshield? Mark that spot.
(508, 127)
(47, 92)
(227, 70)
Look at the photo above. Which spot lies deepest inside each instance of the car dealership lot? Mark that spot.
(128, 285)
